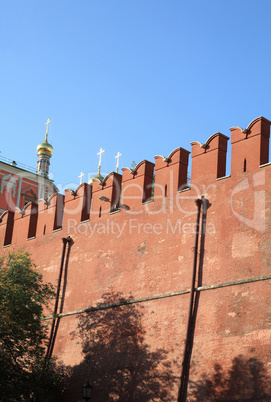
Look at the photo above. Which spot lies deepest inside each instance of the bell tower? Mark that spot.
(44, 152)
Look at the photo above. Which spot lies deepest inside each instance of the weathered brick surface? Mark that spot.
(147, 250)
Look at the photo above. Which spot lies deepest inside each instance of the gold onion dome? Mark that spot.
(45, 148)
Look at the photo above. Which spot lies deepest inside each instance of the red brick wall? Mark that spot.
(145, 252)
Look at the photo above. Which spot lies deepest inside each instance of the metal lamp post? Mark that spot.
(86, 390)
(121, 206)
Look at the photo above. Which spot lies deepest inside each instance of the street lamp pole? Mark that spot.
(86, 391)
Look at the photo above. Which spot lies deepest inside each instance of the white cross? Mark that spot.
(118, 157)
(81, 176)
(47, 124)
(100, 153)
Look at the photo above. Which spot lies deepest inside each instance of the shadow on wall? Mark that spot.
(118, 363)
(246, 380)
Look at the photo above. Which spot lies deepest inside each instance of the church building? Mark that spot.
(20, 184)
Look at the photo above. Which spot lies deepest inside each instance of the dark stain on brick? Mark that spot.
(141, 248)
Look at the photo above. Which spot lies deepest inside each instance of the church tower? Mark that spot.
(44, 152)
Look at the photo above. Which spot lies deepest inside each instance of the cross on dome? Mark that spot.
(100, 159)
(47, 124)
(118, 157)
(81, 177)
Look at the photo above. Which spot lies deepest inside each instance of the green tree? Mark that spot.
(23, 334)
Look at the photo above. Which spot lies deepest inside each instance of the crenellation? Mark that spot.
(59, 211)
(209, 159)
(47, 215)
(137, 184)
(25, 222)
(250, 146)
(171, 173)
(77, 203)
(110, 190)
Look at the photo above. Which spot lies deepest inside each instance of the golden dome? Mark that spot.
(45, 148)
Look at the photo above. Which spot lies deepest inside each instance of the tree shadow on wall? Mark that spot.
(118, 363)
(246, 380)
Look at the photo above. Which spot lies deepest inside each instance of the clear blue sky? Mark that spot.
(141, 77)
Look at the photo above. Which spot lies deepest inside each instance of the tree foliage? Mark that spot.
(23, 296)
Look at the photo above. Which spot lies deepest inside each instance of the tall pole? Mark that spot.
(65, 241)
(70, 243)
(187, 349)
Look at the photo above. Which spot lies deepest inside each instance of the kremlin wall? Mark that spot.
(164, 281)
